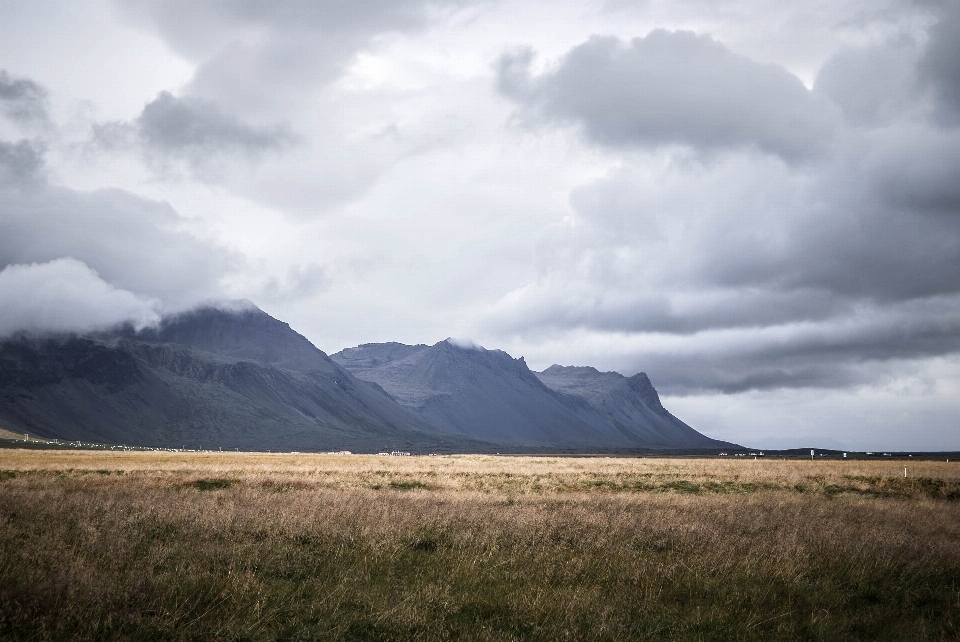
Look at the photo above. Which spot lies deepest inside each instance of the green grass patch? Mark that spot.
(681, 486)
(212, 484)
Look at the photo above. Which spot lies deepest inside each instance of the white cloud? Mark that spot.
(135, 243)
(66, 296)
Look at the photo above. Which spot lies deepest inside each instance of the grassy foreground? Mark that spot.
(195, 546)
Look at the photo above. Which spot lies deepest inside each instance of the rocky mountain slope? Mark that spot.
(210, 379)
(490, 396)
(215, 378)
(630, 403)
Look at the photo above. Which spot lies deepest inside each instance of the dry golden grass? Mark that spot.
(509, 475)
(101, 545)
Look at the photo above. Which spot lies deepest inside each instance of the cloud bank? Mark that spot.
(66, 296)
(672, 88)
(130, 254)
(131, 242)
(724, 265)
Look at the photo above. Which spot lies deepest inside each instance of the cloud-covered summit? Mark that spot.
(78, 259)
(132, 243)
(65, 296)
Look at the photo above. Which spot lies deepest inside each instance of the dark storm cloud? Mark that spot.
(881, 223)
(22, 100)
(861, 344)
(845, 351)
(185, 125)
(673, 88)
(876, 231)
(196, 132)
(894, 80)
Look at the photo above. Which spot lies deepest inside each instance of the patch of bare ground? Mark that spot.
(190, 546)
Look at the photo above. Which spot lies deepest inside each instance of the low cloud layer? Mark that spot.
(134, 244)
(131, 242)
(66, 296)
(778, 282)
(672, 88)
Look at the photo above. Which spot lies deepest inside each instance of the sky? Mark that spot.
(756, 203)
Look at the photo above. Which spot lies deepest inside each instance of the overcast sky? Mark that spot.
(756, 203)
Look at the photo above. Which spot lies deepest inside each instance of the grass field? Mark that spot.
(199, 546)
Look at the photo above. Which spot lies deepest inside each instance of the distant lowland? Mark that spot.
(239, 379)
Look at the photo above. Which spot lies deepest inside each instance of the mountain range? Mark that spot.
(490, 396)
(238, 378)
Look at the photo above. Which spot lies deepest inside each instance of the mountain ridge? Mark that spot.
(241, 378)
(631, 403)
(141, 388)
(451, 385)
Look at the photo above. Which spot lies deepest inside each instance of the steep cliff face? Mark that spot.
(630, 403)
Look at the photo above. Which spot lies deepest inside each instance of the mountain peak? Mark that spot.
(642, 385)
(631, 403)
(462, 344)
(241, 330)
